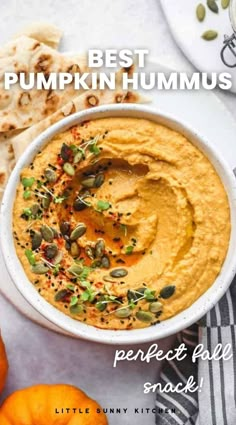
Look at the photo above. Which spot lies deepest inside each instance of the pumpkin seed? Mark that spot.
(51, 251)
(118, 273)
(105, 262)
(144, 316)
(68, 245)
(65, 228)
(79, 231)
(76, 309)
(201, 12)
(69, 169)
(167, 291)
(75, 250)
(210, 35)
(84, 193)
(46, 201)
(96, 263)
(79, 205)
(140, 291)
(107, 278)
(89, 251)
(36, 240)
(75, 269)
(89, 182)
(65, 152)
(155, 307)
(65, 194)
(57, 259)
(60, 295)
(55, 232)
(35, 209)
(131, 295)
(39, 268)
(50, 175)
(47, 233)
(135, 295)
(99, 180)
(225, 4)
(123, 313)
(77, 158)
(101, 306)
(99, 248)
(213, 6)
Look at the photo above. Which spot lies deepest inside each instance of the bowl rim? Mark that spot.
(119, 337)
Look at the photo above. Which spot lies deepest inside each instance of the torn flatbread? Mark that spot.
(21, 109)
(43, 32)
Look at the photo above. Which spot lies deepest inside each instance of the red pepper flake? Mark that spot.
(60, 242)
(75, 133)
(99, 285)
(112, 216)
(60, 161)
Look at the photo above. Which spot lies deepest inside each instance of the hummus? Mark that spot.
(121, 223)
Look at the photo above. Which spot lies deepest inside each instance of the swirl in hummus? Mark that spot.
(121, 223)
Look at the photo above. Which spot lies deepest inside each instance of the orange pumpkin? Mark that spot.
(3, 365)
(43, 404)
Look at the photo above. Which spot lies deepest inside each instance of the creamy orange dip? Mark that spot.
(121, 223)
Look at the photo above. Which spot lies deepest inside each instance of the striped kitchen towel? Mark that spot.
(215, 404)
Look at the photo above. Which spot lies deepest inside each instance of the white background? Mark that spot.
(38, 355)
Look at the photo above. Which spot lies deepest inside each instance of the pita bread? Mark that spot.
(20, 109)
(44, 33)
(87, 100)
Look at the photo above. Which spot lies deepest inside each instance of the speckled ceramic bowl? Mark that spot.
(78, 329)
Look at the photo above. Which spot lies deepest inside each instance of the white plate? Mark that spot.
(187, 31)
(195, 109)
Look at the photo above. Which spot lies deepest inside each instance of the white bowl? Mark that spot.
(168, 327)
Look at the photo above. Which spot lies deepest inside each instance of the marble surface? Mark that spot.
(36, 354)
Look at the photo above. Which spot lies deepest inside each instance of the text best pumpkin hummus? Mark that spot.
(121, 223)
